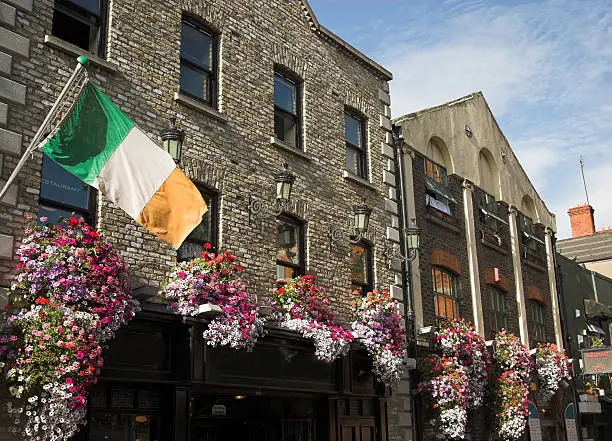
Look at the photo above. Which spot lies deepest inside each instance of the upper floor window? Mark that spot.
(205, 232)
(287, 110)
(354, 133)
(198, 62)
(361, 268)
(437, 194)
(535, 321)
(80, 22)
(63, 195)
(289, 248)
(445, 287)
(496, 317)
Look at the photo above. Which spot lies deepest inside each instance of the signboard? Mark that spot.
(535, 431)
(597, 361)
(570, 422)
(219, 410)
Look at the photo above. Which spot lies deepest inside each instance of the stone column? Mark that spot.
(518, 274)
(470, 234)
(552, 280)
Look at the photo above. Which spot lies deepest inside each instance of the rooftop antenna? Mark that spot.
(583, 180)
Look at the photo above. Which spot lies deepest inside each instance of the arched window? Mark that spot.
(489, 175)
(438, 195)
(445, 288)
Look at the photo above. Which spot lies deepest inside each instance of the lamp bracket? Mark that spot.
(260, 209)
(340, 236)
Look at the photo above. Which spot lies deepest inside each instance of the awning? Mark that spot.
(594, 328)
(594, 309)
(439, 189)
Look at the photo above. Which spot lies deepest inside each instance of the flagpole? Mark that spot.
(82, 61)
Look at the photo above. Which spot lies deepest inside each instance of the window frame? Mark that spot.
(89, 214)
(212, 73)
(535, 321)
(369, 284)
(494, 316)
(440, 166)
(453, 296)
(362, 150)
(213, 209)
(291, 78)
(300, 267)
(83, 15)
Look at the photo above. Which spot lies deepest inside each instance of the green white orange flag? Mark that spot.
(98, 144)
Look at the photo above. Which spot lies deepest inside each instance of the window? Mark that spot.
(206, 232)
(497, 317)
(361, 268)
(535, 321)
(445, 294)
(62, 194)
(437, 194)
(198, 62)
(354, 133)
(80, 22)
(488, 213)
(287, 110)
(289, 248)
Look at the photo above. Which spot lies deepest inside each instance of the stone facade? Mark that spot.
(228, 146)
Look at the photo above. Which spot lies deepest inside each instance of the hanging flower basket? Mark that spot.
(76, 295)
(302, 306)
(458, 339)
(446, 393)
(378, 323)
(552, 367)
(209, 283)
(512, 386)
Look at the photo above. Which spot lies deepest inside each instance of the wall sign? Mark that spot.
(535, 431)
(597, 361)
(570, 422)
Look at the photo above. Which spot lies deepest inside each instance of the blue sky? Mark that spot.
(544, 66)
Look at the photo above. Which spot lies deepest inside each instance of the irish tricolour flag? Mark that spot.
(98, 144)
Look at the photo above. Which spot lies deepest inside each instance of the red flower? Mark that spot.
(41, 301)
(73, 222)
(207, 246)
(93, 234)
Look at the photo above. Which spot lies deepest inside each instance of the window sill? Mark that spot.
(442, 223)
(348, 176)
(72, 49)
(195, 104)
(499, 249)
(286, 147)
(534, 266)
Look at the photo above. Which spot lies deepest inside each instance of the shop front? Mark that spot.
(160, 382)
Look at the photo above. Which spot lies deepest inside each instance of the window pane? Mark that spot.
(285, 94)
(438, 281)
(446, 284)
(196, 46)
(284, 273)
(53, 214)
(72, 30)
(359, 264)
(60, 186)
(121, 427)
(353, 161)
(451, 311)
(287, 242)
(91, 5)
(285, 128)
(353, 130)
(194, 82)
(189, 250)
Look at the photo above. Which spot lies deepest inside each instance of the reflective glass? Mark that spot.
(90, 5)
(194, 82)
(353, 161)
(353, 130)
(196, 46)
(287, 249)
(203, 233)
(284, 273)
(60, 186)
(359, 264)
(285, 128)
(54, 214)
(285, 94)
(123, 427)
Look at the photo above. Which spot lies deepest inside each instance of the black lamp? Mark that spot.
(284, 181)
(172, 141)
(361, 218)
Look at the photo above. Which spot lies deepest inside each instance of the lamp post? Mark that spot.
(172, 141)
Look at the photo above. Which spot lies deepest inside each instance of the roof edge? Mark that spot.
(451, 103)
(324, 32)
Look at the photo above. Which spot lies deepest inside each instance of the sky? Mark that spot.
(544, 67)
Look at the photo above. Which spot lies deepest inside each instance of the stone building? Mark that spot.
(254, 85)
(487, 238)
